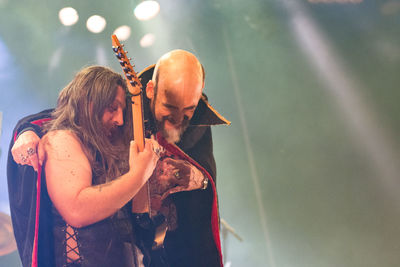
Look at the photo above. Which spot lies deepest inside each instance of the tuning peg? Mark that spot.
(133, 83)
(129, 76)
(122, 63)
(126, 69)
(115, 49)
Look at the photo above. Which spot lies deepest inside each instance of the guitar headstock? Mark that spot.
(134, 84)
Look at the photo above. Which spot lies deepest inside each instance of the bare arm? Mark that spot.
(69, 180)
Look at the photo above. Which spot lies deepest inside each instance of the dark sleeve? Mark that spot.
(192, 244)
(21, 182)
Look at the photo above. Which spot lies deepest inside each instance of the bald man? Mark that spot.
(175, 110)
(174, 92)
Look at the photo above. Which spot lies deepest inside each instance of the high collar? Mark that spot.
(204, 115)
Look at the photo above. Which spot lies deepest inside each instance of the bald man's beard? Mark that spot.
(173, 135)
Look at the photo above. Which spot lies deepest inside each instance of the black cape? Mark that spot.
(192, 244)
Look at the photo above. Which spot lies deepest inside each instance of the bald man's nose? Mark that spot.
(176, 119)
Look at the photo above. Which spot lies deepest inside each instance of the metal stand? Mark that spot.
(225, 229)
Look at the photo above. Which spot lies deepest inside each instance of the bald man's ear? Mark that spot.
(150, 89)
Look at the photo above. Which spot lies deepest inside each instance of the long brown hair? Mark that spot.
(81, 105)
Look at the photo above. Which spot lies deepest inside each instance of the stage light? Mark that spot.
(123, 32)
(147, 40)
(147, 10)
(96, 24)
(68, 16)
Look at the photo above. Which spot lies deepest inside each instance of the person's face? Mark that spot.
(113, 115)
(174, 105)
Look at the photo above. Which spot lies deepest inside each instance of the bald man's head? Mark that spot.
(176, 61)
(175, 91)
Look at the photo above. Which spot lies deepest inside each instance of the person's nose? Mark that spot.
(119, 118)
(177, 119)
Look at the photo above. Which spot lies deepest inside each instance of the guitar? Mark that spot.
(141, 202)
(156, 188)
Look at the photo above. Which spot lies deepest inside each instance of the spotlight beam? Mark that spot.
(249, 151)
(367, 134)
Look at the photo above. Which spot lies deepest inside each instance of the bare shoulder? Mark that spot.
(59, 135)
(62, 144)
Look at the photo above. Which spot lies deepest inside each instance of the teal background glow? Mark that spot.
(308, 172)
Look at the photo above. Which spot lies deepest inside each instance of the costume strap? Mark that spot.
(39, 123)
(35, 240)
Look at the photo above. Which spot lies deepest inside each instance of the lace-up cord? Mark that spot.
(72, 246)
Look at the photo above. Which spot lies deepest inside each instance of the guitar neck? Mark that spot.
(137, 121)
(141, 201)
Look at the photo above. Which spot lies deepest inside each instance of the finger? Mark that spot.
(16, 155)
(157, 148)
(23, 160)
(34, 162)
(151, 140)
(41, 153)
(134, 149)
(19, 157)
(149, 145)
